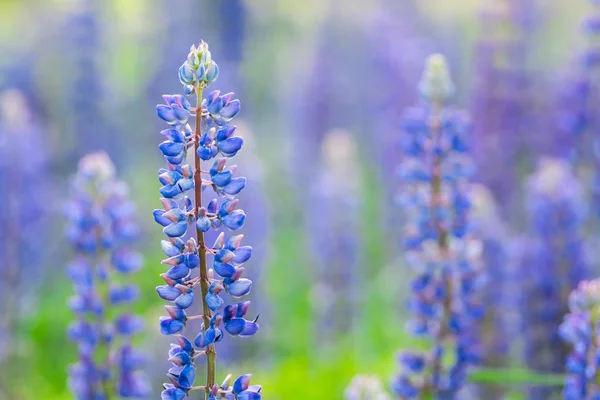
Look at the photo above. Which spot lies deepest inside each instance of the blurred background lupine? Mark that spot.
(101, 230)
(447, 289)
(324, 86)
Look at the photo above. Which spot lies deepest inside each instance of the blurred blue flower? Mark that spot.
(553, 262)
(101, 231)
(446, 302)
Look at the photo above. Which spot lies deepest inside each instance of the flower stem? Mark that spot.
(211, 355)
(436, 200)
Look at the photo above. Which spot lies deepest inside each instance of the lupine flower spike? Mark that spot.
(213, 139)
(554, 261)
(101, 231)
(580, 330)
(438, 243)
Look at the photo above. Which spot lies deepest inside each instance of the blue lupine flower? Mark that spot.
(580, 330)
(553, 261)
(445, 301)
(212, 136)
(101, 232)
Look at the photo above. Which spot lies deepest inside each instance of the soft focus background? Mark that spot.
(322, 85)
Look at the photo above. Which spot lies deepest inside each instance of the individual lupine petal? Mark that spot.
(187, 76)
(234, 242)
(192, 260)
(235, 326)
(235, 220)
(215, 106)
(212, 73)
(242, 254)
(170, 191)
(172, 393)
(230, 146)
(223, 269)
(160, 218)
(222, 179)
(166, 113)
(170, 326)
(225, 132)
(209, 336)
(176, 313)
(229, 111)
(168, 293)
(177, 229)
(203, 224)
(240, 287)
(241, 383)
(199, 340)
(235, 186)
(176, 160)
(213, 301)
(186, 377)
(250, 395)
(179, 271)
(242, 308)
(219, 241)
(250, 328)
(185, 344)
(171, 149)
(181, 358)
(224, 256)
(172, 247)
(168, 177)
(128, 325)
(185, 300)
(174, 135)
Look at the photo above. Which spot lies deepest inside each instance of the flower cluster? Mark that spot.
(580, 330)
(438, 242)
(553, 260)
(212, 138)
(101, 231)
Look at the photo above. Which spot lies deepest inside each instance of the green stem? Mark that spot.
(211, 355)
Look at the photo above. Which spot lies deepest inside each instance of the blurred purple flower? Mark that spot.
(101, 231)
(446, 301)
(553, 262)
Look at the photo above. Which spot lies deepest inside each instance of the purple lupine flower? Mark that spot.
(101, 231)
(553, 262)
(212, 139)
(334, 228)
(580, 330)
(445, 301)
(503, 103)
(23, 220)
